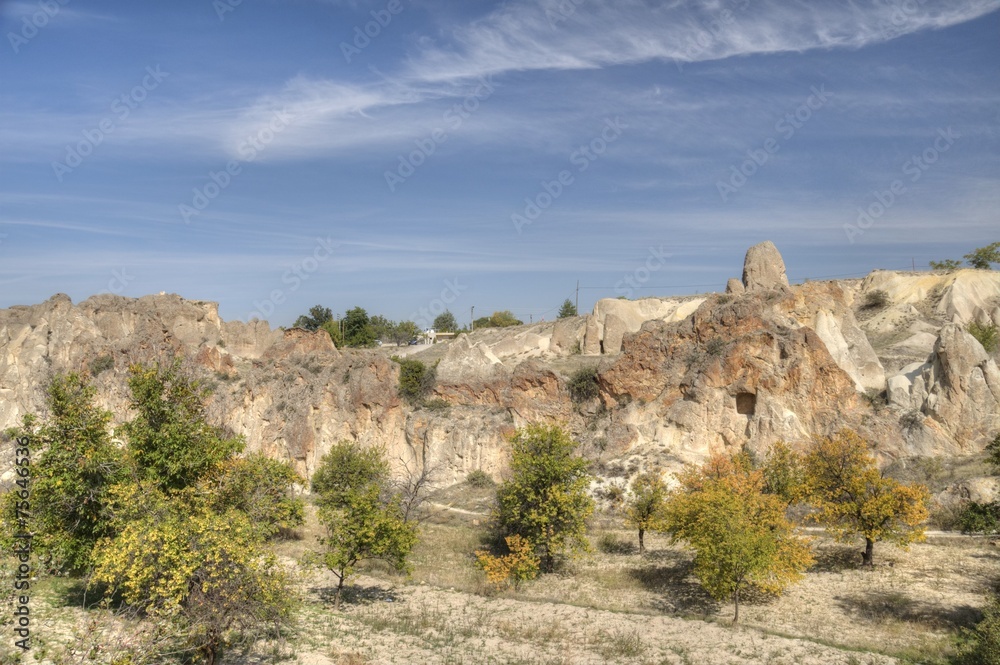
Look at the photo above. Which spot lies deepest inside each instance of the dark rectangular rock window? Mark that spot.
(746, 403)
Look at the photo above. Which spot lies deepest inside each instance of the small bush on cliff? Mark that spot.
(876, 299)
(986, 334)
(415, 380)
(583, 385)
(479, 478)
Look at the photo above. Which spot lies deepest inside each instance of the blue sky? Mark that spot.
(270, 155)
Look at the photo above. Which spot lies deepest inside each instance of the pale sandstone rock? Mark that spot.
(763, 268)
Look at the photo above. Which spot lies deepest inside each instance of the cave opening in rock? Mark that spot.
(746, 403)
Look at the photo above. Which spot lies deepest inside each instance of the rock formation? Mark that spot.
(763, 268)
(679, 377)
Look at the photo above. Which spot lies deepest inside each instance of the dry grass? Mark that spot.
(617, 606)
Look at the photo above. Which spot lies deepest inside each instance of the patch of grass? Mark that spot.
(101, 364)
(610, 543)
(621, 644)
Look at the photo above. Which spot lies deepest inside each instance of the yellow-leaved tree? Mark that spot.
(644, 508)
(739, 532)
(853, 498)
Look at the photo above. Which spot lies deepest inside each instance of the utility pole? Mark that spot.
(577, 298)
(472, 318)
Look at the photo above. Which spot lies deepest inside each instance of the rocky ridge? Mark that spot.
(678, 377)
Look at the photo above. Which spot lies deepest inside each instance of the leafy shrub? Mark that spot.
(877, 299)
(479, 478)
(583, 385)
(101, 364)
(985, 334)
(415, 379)
(980, 518)
(983, 642)
(947, 265)
(610, 543)
(519, 565)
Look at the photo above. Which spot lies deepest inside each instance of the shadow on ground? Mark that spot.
(356, 594)
(881, 607)
(668, 575)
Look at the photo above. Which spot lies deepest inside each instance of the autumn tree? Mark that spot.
(644, 508)
(853, 498)
(545, 498)
(364, 517)
(741, 537)
(205, 573)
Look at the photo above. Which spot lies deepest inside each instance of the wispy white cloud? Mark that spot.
(523, 36)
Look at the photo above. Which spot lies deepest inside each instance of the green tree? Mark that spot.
(317, 317)
(445, 322)
(853, 498)
(501, 319)
(645, 506)
(983, 257)
(358, 331)
(259, 487)
(364, 518)
(947, 265)
(545, 499)
(567, 310)
(382, 327)
(73, 475)
(332, 328)
(741, 537)
(404, 332)
(170, 439)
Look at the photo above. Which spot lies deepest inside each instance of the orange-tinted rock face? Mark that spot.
(739, 372)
